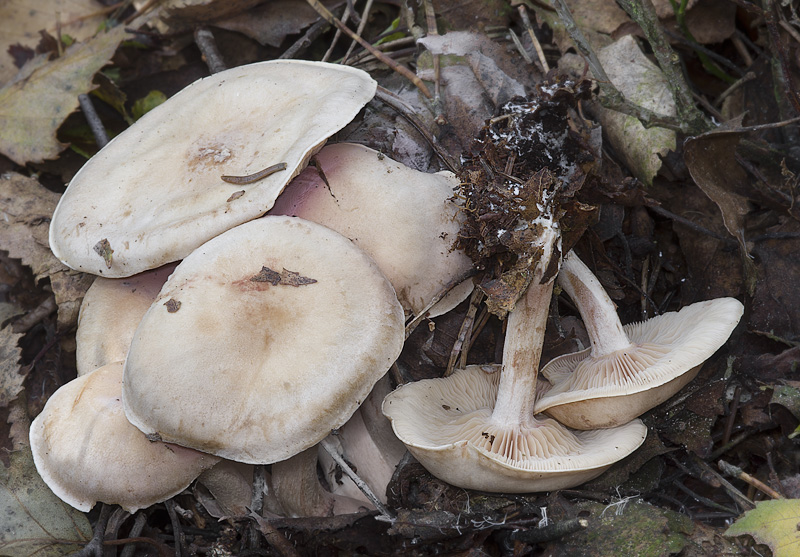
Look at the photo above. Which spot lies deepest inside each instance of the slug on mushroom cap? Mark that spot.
(156, 191)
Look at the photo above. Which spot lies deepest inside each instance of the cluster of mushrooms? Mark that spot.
(249, 303)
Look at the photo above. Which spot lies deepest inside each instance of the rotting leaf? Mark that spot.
(11, 380)
(26, 207)
(773, 523)
(173, 305)
(44, 93)
(21, 21)
(711, 160)
(35, 521)
(103, 249)
(284, 278)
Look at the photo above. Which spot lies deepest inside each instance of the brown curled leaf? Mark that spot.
(284, 278)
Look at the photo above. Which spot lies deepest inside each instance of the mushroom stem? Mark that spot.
(521, 352)
(597, 310)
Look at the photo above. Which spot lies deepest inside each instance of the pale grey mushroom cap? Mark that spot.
(664, 354)
(86, 451)
(447, 425)
(154, 193)
(405, 219)
(110, 312)
(229, 363)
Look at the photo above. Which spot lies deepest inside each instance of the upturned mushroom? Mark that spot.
(200, 164)
(262, 341)
(477, 430)
(403, 218)
(110, 312)
(86, 451)
(628, 370)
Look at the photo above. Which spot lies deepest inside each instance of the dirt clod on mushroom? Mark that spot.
(103, 249)
(535, 152)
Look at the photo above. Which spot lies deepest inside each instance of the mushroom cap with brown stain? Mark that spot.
(447, 425)
(110, 312)
(86, 451)
(155, 193)
(405, 219)
(666, 353)
(262, 341)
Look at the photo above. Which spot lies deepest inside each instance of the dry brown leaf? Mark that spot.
(11, 380)
(711, 160)
(21, 21)
(26, 207)
(34, 105)
(271, 22)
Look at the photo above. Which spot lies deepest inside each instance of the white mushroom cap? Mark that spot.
(154, 193)
(86, 451)
(629, 370)
(262, 341)
(110, 312)
(666, 353)
(402, 217)
(447, 425)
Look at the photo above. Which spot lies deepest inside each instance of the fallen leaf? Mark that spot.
(33, 106)
(773, 523)
(11, 380)
(711, 160)
(35, 521)
(788, 397)
(644, 84)
(21, 21)
(26, 207)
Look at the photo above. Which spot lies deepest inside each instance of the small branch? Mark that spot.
(95, 547)
(208, 47)
(96, 125)
(736, 472)
(405, 72)
(386, 514)
(526, 22)
(301, 44)
(551, 531)
(359, 30)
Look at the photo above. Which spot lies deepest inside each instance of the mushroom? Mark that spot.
(86, 451)
(262, 341)
(157, 191)
(478, 431)
(628, 370)
(403, 218)
(110, 312)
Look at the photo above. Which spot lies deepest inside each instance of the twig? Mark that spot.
(736, 472)
(359, 30)
(704, 500)
(138, 525)
(612, 98)
(643, 13)
(526, 22)
(177, 531)
(465, 331)
(95, 124)
(162, 548)
(726, 437)
(35, 316)
(395, 103)
(208, 47)
(749, 76)
(405, 72)
(735, 494)
(433, 31)
(386, 514)
(520, 48)
(436, 299)
(313, 33)
(337, 35)
(95, 547)
(274, 538)
(551, 531)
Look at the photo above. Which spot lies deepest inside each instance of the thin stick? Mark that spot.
(95, 547)
(96, 125)
(208, 47)
(465, 331)
(405, 72)
(526, 22)
(442, 293)
(301, 44)
(133, 535)
(177, 531)
(736, 472)
(360, 29)
(255, 177)
(433, 31)
(337, 35)
(386, 514)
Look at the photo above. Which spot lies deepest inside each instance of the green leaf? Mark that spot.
(147, 103)
(774, 523)
(35, 521)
